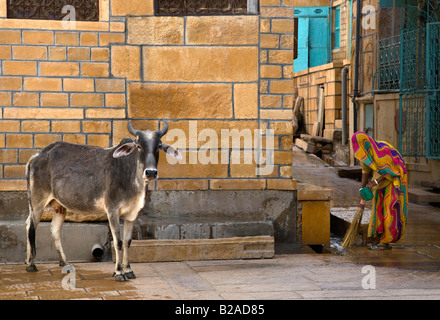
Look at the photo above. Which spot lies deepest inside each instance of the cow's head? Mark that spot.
(148, 143)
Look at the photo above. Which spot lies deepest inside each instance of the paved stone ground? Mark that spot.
(409, 271)
(308, 168)
(401, 273)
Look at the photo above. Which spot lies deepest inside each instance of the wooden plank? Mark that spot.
(315, 139)
(315, 128)
(320, 111)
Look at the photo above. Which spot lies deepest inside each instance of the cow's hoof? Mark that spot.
(31, 268)
(120, 277)
(130, 275)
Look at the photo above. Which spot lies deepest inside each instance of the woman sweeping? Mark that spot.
(389, 187)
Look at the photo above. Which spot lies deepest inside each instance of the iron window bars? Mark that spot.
(205, 7)
(85, 10)
(389, 63)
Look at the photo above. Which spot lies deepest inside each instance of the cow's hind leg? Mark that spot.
(128, 230)
(35, 212)
(113, 220)
(59, 213)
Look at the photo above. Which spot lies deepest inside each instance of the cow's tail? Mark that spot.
(31, 230)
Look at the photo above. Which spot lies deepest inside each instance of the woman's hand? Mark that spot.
(372, 184)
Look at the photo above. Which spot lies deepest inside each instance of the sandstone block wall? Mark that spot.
(199, 73)
(309, 81)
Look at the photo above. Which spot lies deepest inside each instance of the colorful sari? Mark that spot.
(390, 203)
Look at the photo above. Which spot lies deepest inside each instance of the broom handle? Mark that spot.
(362, 203)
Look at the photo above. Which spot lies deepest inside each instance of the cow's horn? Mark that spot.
(130, 128)
(164, 129)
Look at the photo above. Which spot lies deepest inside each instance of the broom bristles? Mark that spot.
(353, 231)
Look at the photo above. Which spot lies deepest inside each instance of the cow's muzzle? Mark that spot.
(150, 174)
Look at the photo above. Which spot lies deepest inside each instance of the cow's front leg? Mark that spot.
(128, 230)
(113, 220)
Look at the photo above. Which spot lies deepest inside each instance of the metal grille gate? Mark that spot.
(433, 88)
(419, 134)
(412, 93)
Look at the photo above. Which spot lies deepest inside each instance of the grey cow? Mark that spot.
(89, 179)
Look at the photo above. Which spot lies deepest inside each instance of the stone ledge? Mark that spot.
(323, 67)
(310, 192)
(261, 247)
(418, 195)
(190, 184)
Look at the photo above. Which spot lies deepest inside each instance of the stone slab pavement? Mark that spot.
(401, 273)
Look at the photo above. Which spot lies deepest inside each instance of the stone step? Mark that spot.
(419, 195)
(199, 228)
(435, 184)
(353, 172)
(258, 247)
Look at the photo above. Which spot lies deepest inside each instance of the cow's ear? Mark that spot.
(124, 150)
(171, 151)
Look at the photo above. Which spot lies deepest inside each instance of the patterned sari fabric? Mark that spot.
(389, 203)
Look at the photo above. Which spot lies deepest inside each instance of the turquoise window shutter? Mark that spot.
(337, 30)
(397, 3)
(302, 62)
(318, 41)
(313, 37)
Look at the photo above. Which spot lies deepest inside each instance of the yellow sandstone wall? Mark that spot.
(276, 78)
(207, 72)
(308, 83)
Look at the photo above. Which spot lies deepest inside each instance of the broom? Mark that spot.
(353, 230)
